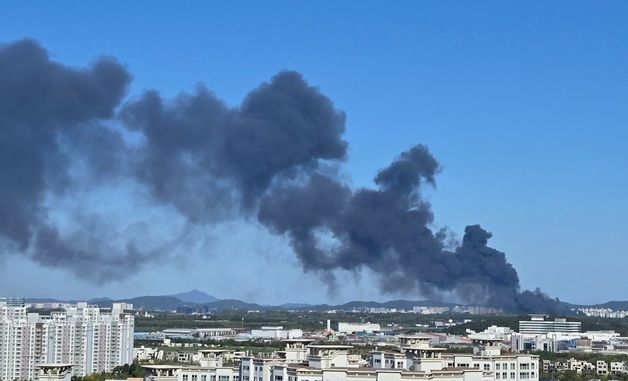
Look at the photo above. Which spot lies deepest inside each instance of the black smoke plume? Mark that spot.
(42, 105)
(388, 231)
(273, 159)
(205, 158)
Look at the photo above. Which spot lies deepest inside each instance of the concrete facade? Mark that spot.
(81, 335)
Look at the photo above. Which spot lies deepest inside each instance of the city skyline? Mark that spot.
(524, 116)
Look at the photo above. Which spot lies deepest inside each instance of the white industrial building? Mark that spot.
(493, 332)
(538, 325)
(198, 333)
(81, 335)
(215, 333)
(276, 333)
(558, 335)
(358, 327)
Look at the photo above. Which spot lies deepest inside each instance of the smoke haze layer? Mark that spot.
(274, 160)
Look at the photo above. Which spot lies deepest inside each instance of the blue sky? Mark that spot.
(523, 103)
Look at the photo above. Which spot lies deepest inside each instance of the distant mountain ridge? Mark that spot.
(196, 298)
(616, 305)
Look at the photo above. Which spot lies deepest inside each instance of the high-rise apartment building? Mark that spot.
(83, 335)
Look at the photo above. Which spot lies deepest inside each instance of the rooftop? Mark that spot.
(419, 337)
(303, 340)
(330, 346)
(161, 367)
(214, 350)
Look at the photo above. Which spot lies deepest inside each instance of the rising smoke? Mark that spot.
(43, 107)
(273, 159)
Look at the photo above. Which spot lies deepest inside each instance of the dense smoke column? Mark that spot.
(478, 264)
(388, 230)
(273, 158)
(210, 160)
(42, 105)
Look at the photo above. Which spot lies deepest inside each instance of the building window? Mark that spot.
(497, 376)
(487, 366)
(512, 375)
(203, 377)
(212, 377)
(194, 377)
(497, 366)
(223, 378)
(185, 377)
(505, 375)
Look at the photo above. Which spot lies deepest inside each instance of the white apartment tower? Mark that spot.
(82, 335)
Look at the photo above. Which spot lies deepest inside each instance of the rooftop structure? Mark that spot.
(54, 372)
(418, 346)
(295, 350)
(417, 355)
(162, 372)
(331, 362)
(212, 358)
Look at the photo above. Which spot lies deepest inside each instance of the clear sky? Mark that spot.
(525, 105)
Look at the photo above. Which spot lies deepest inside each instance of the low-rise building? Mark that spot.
(579, 366)
(276, 333)
(618, 367)
(215, 333)
(145, 354)
(358, 327)
(303, 361)
(417, 354)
